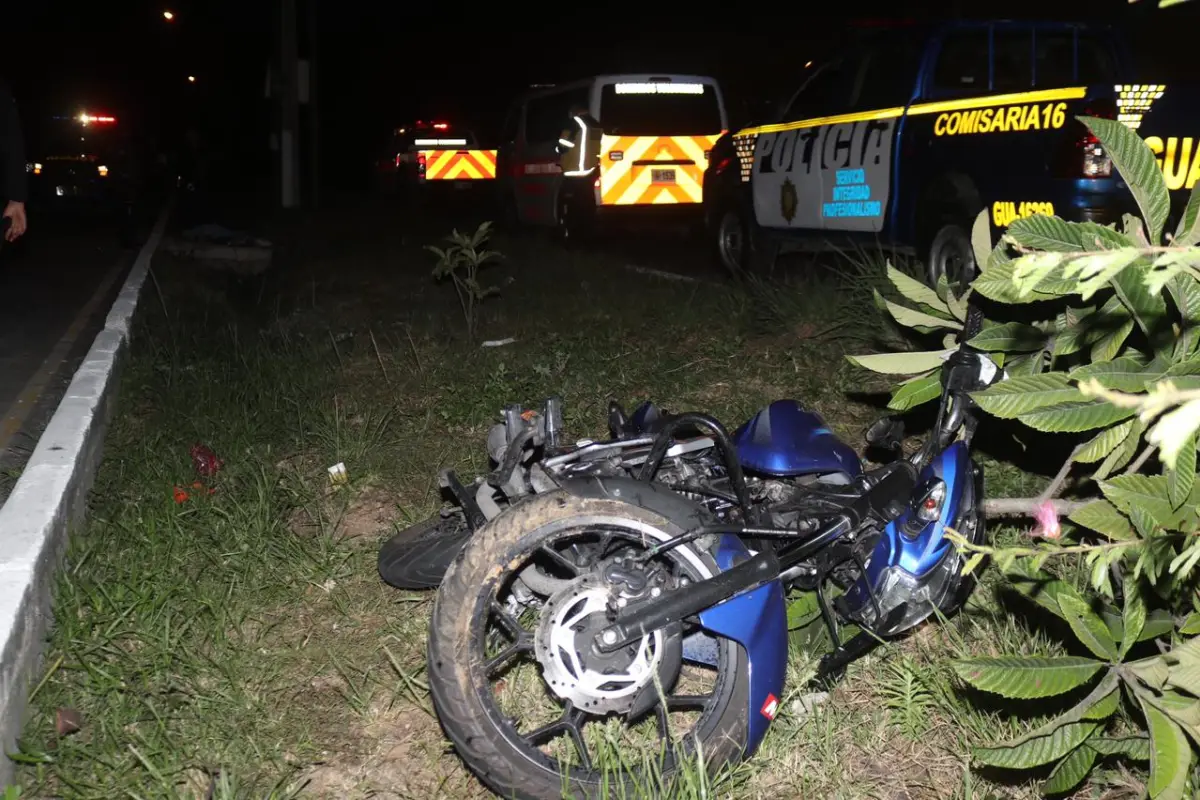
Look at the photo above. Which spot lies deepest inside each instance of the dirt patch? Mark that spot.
(346, 514)
(403, 755)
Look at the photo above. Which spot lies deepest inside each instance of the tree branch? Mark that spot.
(1056, 486)
(1024, 506)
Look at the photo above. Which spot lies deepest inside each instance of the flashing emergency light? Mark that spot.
(660, 88)
(440, 142)
(103, 170)
(88, 119)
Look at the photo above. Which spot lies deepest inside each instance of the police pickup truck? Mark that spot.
(901, 139)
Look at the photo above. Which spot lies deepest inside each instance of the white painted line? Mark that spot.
(50, 498)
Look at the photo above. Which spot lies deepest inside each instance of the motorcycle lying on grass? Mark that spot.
(624, 615)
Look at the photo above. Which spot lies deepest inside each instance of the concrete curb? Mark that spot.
(50, 498)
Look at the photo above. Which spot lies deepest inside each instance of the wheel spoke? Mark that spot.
(573, 720)
(570, 723)
(559, 559)
(502, 659)
(508, 622)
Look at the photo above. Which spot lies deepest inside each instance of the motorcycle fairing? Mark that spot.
(757, 620)
(905, 570)
(786, 440)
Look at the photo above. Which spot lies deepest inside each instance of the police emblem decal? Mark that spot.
(788, 200)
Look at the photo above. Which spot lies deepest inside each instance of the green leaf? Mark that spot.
(1071, 771)
(1187, 232)
(981, 237)
(1135, 748)
(1181, 479)
(1174, 432)
(1020, 395)
(1109, 345)
(1148, 493)
(1088, 627)
(1186, 676)
(914, 392)
(1170, 754)
(1055, 234)
(1191, 625)
(1103, 443)
(997, 282)
(1124, 374)
(1152, 671)
(1099, 704)
(1077, 417)
(1135, 161)
(1158, 623)
(1185, 291)
(1096, 271)
(913, 290)
(1103, 517)
(1148, 308)
(910, 363)
(1039, 586)
(1014, 337)
(1122, 454)
(1025, 677)
(1133, 618)
(1036, 752)
(911, 318)
(801, 610)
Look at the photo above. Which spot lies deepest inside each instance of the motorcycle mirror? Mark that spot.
(886, 433)
(616, 419)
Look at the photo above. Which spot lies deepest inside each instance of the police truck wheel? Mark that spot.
(950, 254)
(730, 241)
(742, 249)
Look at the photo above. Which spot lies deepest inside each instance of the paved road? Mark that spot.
(56, 287)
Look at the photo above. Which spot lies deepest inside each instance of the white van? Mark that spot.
(657, 134)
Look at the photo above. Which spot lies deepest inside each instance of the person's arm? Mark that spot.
(12, 143)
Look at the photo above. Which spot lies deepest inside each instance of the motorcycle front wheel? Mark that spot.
(533, 708)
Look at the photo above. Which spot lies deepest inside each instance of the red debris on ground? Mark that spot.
(205, 460)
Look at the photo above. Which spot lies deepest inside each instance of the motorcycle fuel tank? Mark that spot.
(785, 439)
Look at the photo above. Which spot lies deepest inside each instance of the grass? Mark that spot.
(239, 644)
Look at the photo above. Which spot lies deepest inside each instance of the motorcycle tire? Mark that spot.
(418, 556)
(466, 706)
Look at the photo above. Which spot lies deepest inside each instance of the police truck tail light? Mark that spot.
(421, 165)
(1096, 162)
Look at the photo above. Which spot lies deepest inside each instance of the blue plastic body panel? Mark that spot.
(757, 620)
(785, 439)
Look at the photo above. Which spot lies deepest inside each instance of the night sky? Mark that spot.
(381, 64)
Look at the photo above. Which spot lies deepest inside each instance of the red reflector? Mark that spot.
(770, 707)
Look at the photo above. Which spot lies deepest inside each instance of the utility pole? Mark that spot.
(314, 123)
(289, 133)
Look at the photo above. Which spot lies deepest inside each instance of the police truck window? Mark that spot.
(963, 62)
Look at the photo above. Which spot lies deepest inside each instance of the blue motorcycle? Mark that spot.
(612, 619)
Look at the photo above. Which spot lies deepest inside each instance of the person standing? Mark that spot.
(13, 185)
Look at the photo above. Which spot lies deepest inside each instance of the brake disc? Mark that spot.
(575, 671)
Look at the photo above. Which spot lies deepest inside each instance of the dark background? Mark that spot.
(380, 64)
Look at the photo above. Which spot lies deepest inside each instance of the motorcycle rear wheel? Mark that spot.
(418, 556)
(513, 760)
